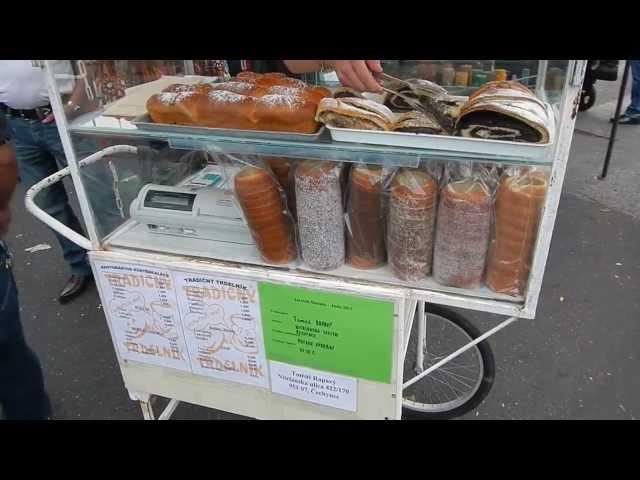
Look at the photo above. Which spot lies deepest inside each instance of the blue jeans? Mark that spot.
(634, 107)
(22, 391)
(40, 154)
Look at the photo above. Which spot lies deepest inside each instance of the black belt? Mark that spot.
(39, 113)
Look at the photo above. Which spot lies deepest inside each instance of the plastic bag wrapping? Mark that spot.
(464, 225)
(365, 219)
(413, 200)
(264, 204)
(166, 166)
(318, 192)
(283, 168)
(518, 209)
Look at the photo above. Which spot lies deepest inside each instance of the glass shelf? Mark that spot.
(324, 148)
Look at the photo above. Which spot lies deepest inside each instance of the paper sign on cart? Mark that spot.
(332, 332)
(314, 386)
(222, 327)
(140, 304)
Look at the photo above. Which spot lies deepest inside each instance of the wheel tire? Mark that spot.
(587, 98)
(489, 368)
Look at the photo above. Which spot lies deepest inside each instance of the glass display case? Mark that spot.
(176, 189)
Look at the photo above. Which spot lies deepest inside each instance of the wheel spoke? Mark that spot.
(454, 373)
(443, 381)
(453, 377)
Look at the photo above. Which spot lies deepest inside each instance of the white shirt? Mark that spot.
(23, 86)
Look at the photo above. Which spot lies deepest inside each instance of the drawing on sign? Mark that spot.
(244, 336)
(236, 331)
(208, 325)
(156, 319)
(141, 306)
(221, 320)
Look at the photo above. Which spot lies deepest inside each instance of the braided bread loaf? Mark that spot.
(251, 101)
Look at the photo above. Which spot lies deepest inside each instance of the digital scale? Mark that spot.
(198, 208)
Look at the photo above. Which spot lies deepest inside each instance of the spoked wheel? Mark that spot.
(458, 386)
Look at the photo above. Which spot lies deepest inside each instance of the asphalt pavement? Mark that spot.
(579, 359)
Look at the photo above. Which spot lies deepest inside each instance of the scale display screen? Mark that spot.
(170, 200)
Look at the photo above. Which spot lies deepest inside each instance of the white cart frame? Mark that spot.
(142, 380)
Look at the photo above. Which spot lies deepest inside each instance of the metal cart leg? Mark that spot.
(422, 338)
(147, 409)
(146, 404)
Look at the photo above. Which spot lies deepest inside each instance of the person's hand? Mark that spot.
(49, 118)
(5, 219)
(357, 74)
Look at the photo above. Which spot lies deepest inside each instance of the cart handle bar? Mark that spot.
(47, 219)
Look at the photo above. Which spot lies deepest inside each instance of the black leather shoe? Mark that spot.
(74, 287)
(627, 120)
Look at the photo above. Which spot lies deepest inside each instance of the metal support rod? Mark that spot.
(460, 351)
(168, 411)
(70, 154)
(422, 338)
(408, 328)
(189, 68)
(614, 127)
(541, 78)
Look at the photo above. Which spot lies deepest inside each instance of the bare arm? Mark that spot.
(8, 173)
(8, 180)
(356, 74)
(78, 97)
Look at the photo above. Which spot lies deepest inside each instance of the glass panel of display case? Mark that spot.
(463, 227)
(110, 100)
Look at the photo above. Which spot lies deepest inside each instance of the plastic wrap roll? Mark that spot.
(283, 168)
(320, 219)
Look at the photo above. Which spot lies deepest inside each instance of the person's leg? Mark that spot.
(97, 178)
(35, 164)
(22, 390)
(633, 109)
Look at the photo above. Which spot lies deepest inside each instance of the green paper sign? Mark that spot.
(333, 332)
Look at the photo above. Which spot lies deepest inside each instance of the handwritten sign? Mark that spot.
(331, 332)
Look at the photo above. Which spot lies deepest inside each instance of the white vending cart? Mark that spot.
(197, 314)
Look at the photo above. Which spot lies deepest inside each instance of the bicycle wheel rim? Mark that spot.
(447, 377)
